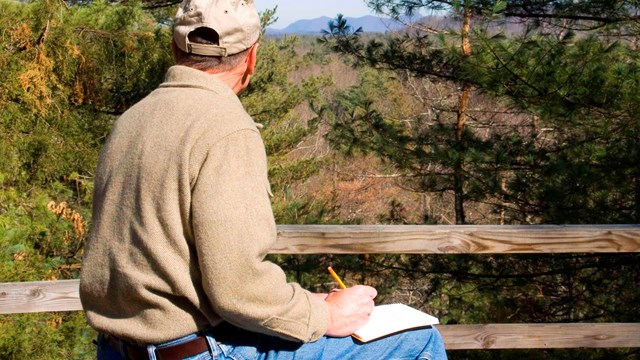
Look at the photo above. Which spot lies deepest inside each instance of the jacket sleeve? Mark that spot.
(233, 229)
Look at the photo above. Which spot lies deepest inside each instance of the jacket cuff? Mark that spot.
(319, 317)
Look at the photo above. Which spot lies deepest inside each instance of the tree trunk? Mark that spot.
(458, 175)
(637, 184)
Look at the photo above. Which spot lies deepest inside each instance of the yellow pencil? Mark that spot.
(336, 278)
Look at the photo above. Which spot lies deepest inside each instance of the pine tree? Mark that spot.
(545, 73)
(550, 137)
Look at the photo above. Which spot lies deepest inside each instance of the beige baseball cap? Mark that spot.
(236, 21)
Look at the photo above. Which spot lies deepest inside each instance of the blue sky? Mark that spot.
(292, 10)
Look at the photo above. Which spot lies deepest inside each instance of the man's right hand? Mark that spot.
(349, 309)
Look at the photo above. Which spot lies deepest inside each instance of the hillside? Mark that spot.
(371, 24)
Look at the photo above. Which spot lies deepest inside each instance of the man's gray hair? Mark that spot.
(205, 35)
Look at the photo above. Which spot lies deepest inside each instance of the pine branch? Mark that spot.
(152, 5)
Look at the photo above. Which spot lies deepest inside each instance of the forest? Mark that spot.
(487, 112)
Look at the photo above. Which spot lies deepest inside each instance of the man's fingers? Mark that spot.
(366, 290)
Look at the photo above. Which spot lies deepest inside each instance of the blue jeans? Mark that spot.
(232, 343)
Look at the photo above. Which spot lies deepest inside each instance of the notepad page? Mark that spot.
(393, 318)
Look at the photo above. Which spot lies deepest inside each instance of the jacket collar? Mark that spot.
(179, 76)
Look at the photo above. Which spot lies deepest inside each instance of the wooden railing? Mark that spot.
(48, 296)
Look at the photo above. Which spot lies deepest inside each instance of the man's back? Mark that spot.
(142, 209)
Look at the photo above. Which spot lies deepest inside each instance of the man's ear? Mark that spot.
(252, 58)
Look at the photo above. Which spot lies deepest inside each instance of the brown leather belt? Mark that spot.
(175, 352)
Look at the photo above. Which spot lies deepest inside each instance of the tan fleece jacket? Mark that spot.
(182, 222)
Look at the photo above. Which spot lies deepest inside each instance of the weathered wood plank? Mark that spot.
(49, 296)
(39, 296)
(408, 239)
(535, 336)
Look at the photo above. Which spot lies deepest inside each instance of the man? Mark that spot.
(174, 267)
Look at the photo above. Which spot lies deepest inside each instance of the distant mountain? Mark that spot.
(369, 23)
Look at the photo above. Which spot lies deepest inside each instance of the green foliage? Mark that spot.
(571, 168)
(46, 336)
(580, 173)
(584, 15)
(67, 71)
(374, 117)
(41, 239)
(568, 154)
(271, 99)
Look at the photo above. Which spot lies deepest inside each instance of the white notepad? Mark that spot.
(393, 318)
